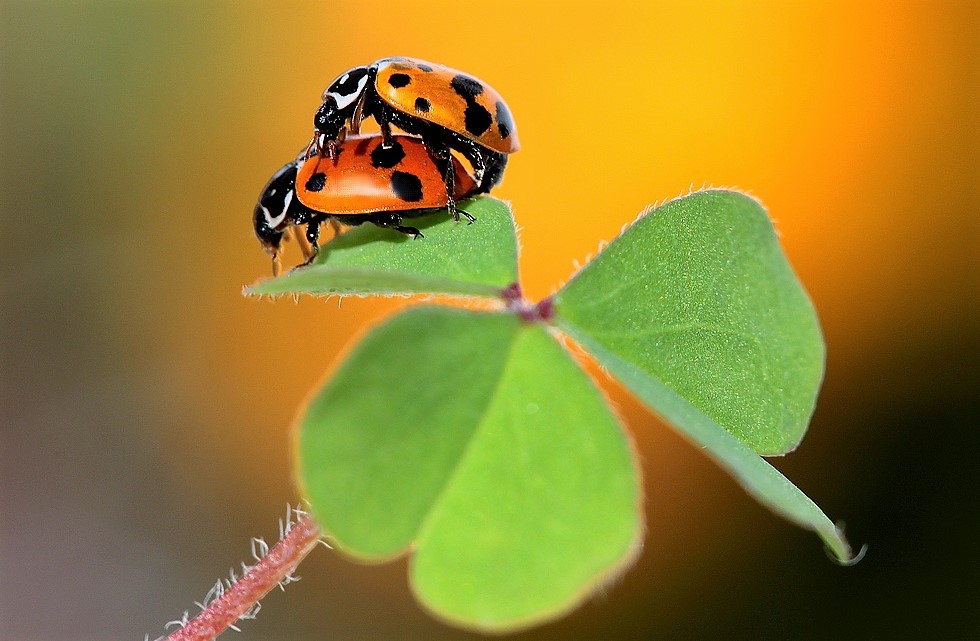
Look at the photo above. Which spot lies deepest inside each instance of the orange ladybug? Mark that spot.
(448, 109)
(366, 181)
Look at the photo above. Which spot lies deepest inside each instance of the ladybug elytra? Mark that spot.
(446, 108)
(366, 181)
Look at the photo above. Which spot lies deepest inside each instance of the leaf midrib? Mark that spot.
(680, 328)
(425, 523)
(737, 460)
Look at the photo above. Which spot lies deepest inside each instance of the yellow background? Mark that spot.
(146, 403)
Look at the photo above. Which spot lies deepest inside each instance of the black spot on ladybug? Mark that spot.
(316, 182)
(387, 157)
(468, 88)
(399, 80)
(423, 105)
(425, 68)
(478, 119)
(505, 124)
(406, 186)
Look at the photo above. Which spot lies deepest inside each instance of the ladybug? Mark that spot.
(448, 109)
(365, 182)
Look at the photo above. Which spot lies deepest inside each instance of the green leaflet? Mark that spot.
(475, 441)
(478, 259)
(695, 309)
(698, 295)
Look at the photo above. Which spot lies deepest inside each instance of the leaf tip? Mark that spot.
(708, 187)
(842, 554)
(853, 559)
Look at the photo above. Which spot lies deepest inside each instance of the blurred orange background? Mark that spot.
(145, 404)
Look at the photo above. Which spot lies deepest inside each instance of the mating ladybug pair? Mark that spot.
(351, 178)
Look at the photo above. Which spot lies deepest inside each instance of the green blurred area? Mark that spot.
(145, 404)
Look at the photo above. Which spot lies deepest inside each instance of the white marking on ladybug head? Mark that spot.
(274, 222)
(345, 100)
(336, 83)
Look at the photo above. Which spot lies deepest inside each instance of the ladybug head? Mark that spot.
(340, 101)
(277, 208)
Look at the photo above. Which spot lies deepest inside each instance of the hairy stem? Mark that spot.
(244, 594)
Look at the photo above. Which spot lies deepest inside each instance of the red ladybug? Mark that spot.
(448, 109)
(365, 182)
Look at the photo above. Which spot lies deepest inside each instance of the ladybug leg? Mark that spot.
(320, 144)
(390, 220)
(358, 115)
(317, 146)
(304, 244)
(276, 262)
(450, 185)
(494, 165)
(384, 121)
(334, 227)
(488, 165)
(313, 236)
(475, 154)
(409, 231)
(444, 161)
(386, 135)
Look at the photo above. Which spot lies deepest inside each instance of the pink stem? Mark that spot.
(253, 585)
